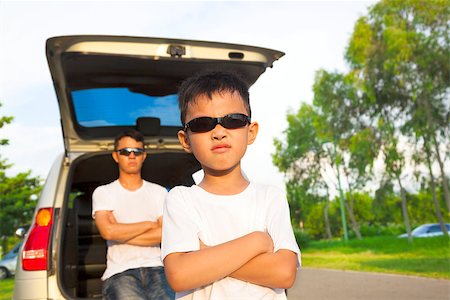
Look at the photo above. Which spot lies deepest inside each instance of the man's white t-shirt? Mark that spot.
(143, 204)
(191, 213)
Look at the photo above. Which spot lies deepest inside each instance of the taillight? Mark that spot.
(34, 254)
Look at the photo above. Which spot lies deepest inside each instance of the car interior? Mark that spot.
(83, 249)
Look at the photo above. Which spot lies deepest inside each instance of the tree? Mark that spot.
(392, 105)
(17, 195)
(400, 52)
(303, 158)
(337, 102)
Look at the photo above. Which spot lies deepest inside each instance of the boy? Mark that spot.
(128, 214)
(225, 238)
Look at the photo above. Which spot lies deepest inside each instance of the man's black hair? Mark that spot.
(134, 134)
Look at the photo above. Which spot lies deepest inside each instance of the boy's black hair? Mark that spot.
(134, 134)
(209, 82)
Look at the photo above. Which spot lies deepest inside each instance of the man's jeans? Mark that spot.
(141, 283)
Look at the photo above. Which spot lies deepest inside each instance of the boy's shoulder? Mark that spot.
(267, 190)
(258, 187)
(181, 189)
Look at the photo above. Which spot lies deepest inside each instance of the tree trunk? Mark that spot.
(355, 225)
(444, 178)
(327, 220)
(433, 191)
(405, 209)
(432, 132)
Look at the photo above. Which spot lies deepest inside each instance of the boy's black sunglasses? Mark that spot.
(205, 124)
(127, 151)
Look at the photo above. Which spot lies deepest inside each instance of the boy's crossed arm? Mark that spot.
(146, 233)
(241, 258)
(272, 269)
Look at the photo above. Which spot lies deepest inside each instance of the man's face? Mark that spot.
(131, 164)
(219, 150)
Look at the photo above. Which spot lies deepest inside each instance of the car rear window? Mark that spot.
(103, 107)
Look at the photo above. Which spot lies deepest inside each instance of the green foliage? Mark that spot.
(377, 229)
(314, 221)
(3, 121)
(421, 207)
(302, 237)
(18, 196)
(379, 215)
(391, 105)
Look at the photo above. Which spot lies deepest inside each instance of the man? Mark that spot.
(128, 214)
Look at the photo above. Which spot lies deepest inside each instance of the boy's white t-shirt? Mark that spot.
(143, 204)
(191, 213)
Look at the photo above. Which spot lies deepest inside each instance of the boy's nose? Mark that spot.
(218, 132)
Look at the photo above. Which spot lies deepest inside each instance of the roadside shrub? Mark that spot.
(392, 229)
(302, 237)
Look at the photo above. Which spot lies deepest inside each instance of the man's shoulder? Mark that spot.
(106, 187)
(154, 186)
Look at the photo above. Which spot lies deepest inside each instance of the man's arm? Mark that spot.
(111, 230)
(190, 270)
(149, 238)
(275, 270)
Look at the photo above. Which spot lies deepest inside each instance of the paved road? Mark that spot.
(323, 284)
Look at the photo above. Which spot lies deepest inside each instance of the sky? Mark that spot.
(313, 34)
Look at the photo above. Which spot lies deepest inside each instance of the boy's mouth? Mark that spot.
(220, 148)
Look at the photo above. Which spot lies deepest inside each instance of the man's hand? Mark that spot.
(111, 230)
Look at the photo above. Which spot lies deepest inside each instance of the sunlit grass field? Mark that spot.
(6, 288)
(426, 257)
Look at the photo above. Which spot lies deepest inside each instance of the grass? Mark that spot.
(426, 257)
(6, 288)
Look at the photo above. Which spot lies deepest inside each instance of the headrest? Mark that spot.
(148, 126)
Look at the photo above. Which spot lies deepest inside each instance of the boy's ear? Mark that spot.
(252, 132)
(184, 140)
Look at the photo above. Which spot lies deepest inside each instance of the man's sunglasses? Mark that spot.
(128, 151)
(205, 124)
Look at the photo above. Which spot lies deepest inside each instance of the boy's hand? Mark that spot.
(263, 240)
(267, 241)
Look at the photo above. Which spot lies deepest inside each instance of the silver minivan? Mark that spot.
(106, 84)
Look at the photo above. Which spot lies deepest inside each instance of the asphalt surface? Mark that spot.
(323, 284)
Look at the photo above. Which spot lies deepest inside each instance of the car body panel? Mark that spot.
(9, 260)
(427, 230)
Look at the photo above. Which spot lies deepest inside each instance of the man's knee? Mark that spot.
(125, 285)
